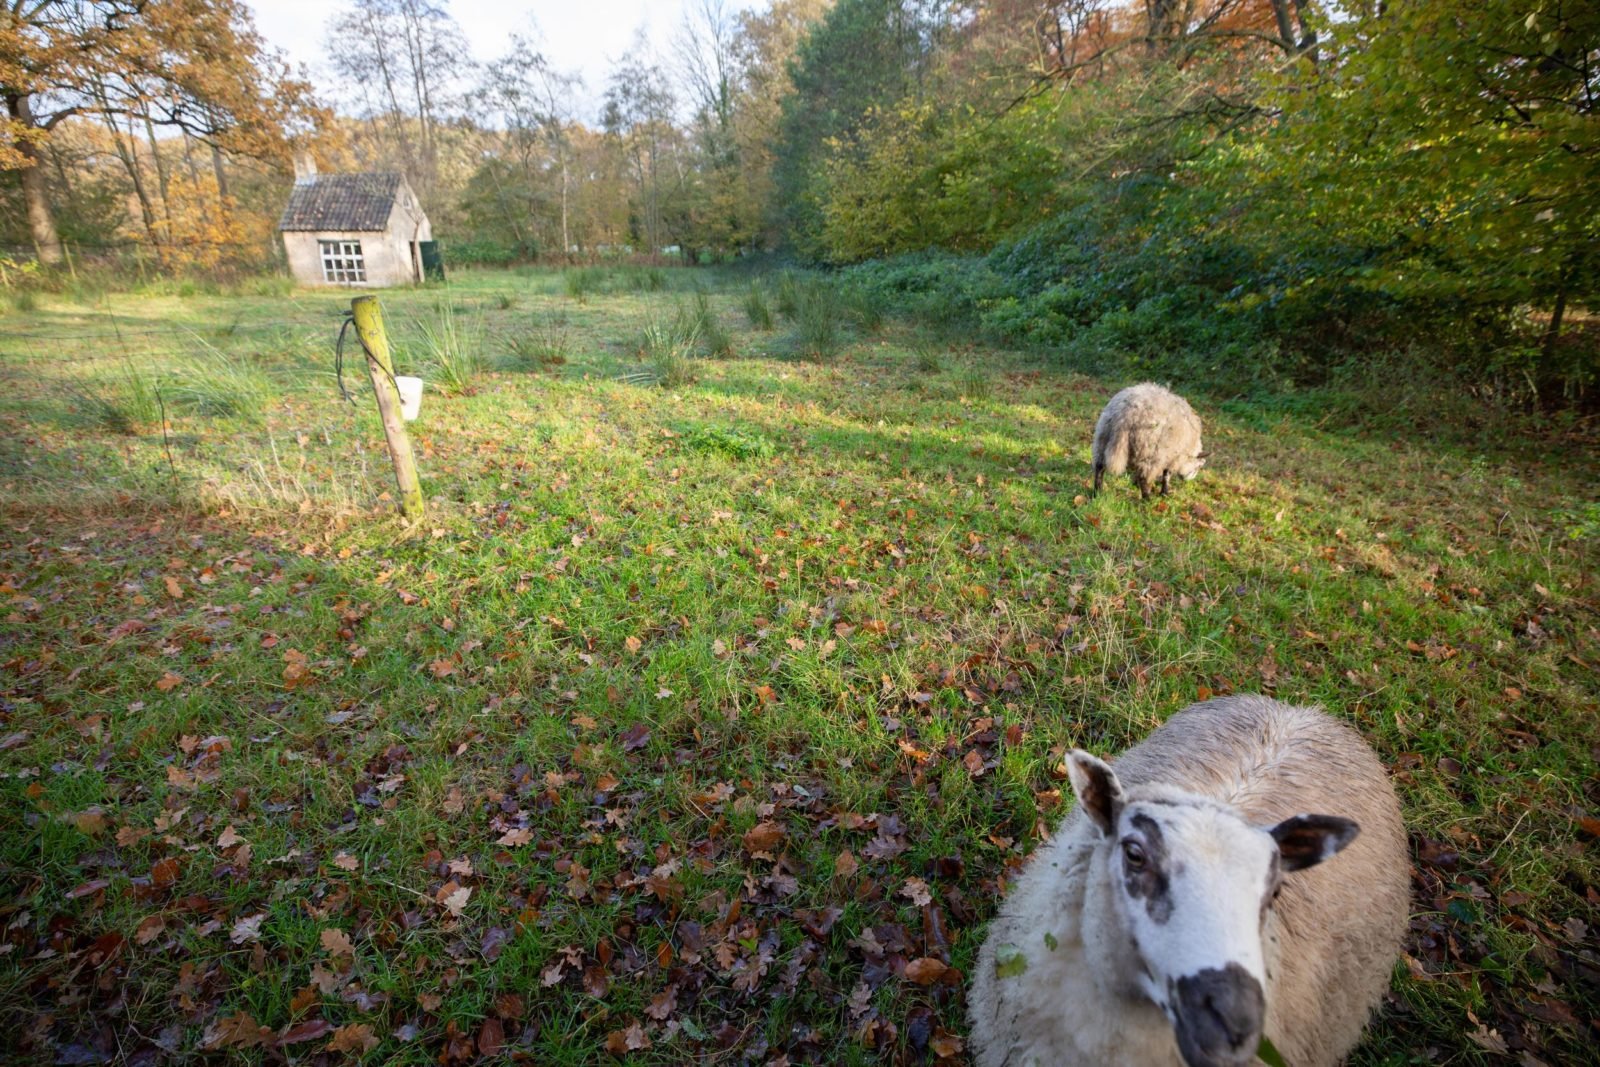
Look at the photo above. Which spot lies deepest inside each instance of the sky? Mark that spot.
(581, 35)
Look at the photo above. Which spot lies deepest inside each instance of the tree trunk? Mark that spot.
(41, 223)
(161, 172)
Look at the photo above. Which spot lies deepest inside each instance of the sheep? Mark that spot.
(1150, 431)
(1178, 914)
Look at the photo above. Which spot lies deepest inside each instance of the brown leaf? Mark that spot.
(229, 837)
(304, 999)
(631, 1039)
(456, 902)
(763, 837)
(663, 1004)
(236, 1031)
(973, 761)
(336, 943)
(596, 981)
(926, 971)
(169, 681)
(174, 589)
(514, 838)
(634, 644)
(346, 862)
(164, 872)
(491, 1037)
(356, 1037)
(635, 737)
(945, 1044)
(149, 928)
(916, 890)
(309, 1030)
(845, 865)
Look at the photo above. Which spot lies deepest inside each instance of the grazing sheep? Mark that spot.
(1151, 432)
(1172, 919)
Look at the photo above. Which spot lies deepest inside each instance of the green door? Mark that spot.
(432, 261)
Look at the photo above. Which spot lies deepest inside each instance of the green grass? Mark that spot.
(638, 624)
(452, 347)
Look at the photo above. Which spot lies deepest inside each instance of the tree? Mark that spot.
(862, 54)
(637, 116)
(193, 65)
(533, 103)
(403, 59)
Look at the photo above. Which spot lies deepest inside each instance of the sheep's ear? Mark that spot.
(1306, 840)
(1095, 783)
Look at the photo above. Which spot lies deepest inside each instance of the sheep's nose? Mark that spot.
(1219, 1017)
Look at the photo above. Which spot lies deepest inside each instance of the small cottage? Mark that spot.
(364, 230)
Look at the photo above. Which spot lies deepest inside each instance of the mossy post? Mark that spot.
(368, 317)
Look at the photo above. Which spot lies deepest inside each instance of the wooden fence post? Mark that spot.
(368, 317)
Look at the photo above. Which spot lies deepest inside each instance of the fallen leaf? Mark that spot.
(456, 902)
(228, 838)
(491, 1037)
(169, 681)
(335, 942)
(356, 1037)
(346, 862)
(845, 865)
(763, 837)
(635, 737)
(926, 971)
(236, 1031)
(174, 589)
(1009, 962)
(514, 838)
(663, 1004)
(916, 890)
(631, 1039)
(247, 929)
(149, 928)
(309, 1030)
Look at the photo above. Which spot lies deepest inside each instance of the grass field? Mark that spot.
(711, 691)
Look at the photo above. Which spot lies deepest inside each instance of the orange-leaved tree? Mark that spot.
(194, 65)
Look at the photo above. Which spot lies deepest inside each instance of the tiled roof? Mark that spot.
(342, 202)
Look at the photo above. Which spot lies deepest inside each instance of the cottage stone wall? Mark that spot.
(388, 255)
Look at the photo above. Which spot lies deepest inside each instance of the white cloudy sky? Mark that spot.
(581, 35)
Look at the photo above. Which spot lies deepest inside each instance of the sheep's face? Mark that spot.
(1190, 466)
(1190, 884)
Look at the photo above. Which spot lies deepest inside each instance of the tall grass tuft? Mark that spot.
(817, 321)
(581, 282)
(865, 308)
(24, 300)
(976, 386)
(714, 336)
(668, 346)
(125, 405)
(547, 343)
(218, 383)
(928, 360)
(786, 298)
(756, 308)
(452, 349)
(505, 301)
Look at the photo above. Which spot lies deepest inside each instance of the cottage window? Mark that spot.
(342, 261)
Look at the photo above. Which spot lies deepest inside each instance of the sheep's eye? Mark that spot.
(1133, 854)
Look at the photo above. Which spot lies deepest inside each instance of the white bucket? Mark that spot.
(410, 396)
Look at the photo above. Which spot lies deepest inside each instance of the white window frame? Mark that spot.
(342, 261)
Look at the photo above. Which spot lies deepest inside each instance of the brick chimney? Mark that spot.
(305, 167)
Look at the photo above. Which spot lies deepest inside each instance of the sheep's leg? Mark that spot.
(1144, 489)
(1166, 482)
(1099, 475)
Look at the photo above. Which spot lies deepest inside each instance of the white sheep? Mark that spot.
(1152, 433)
(1179, 913)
